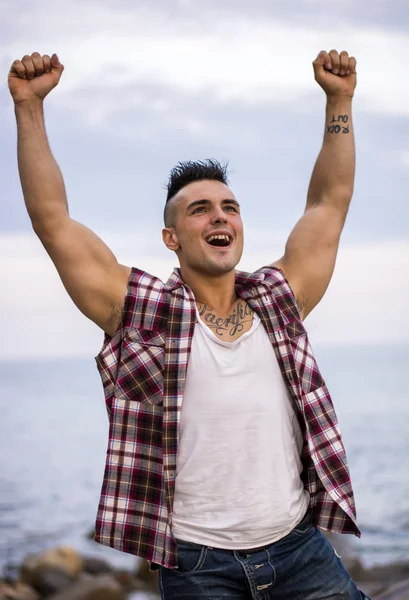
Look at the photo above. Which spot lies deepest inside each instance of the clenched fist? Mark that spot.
(33, 77)
(335, 73)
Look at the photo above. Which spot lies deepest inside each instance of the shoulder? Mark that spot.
(277, 286)
(139, 299)
(270, 275)
(143, 284)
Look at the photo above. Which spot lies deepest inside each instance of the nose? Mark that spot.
(218, 215)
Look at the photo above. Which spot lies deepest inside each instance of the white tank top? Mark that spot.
(238, 482)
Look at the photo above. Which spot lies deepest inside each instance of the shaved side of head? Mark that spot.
(170, 212)
(188, 172)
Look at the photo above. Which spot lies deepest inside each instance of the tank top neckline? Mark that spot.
(206, 329)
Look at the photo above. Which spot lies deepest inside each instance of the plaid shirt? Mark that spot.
(143, 370)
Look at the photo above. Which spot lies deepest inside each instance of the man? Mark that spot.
(224, 456)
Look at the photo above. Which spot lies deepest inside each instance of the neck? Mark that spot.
(217, 291)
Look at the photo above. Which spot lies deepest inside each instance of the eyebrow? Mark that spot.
(206, 202)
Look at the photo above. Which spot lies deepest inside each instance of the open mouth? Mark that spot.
(221, 240)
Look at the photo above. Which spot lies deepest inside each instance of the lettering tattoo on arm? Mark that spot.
(234, 323)
(338, 128)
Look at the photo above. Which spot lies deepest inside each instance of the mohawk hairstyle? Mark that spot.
(188, 172)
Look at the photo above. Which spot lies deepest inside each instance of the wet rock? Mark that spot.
(99, 587)
(52, 570)
(4, 588)
(128, 581)
(371, 589)
(95, 565)
(398, 591)
(149, 578)
(388, 574)
(65, 559)
(346, 552)
(91, 534)
(48, 580)
(389, 582)
(18, 591)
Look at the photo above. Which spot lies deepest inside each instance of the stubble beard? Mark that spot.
(210, 265)
(218, 266)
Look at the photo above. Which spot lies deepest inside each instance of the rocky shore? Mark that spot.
(63, 574)
(388, 582)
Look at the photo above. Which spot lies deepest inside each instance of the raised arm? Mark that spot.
(312, 246)
(88, 269)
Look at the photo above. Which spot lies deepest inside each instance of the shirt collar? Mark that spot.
(175, 280)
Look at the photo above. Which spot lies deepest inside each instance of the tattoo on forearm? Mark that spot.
(338, 128)
(232, 324)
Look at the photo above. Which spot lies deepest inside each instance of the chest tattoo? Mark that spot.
(240, 316)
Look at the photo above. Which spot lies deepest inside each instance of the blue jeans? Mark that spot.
(300, 566)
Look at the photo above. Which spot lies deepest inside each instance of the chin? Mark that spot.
(210, 265)
(213, 267)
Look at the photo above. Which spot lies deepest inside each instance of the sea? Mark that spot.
(53, 435)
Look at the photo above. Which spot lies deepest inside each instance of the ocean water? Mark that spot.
(53, 434)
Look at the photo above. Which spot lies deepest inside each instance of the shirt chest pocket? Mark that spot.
(141, 369)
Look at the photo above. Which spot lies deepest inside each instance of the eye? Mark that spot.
(198, 209)
(233, 208)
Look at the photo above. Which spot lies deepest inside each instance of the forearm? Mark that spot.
(332, 180)
(41, 179)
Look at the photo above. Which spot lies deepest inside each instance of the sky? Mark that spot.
(147, 84)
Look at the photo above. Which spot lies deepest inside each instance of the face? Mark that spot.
(203, 210)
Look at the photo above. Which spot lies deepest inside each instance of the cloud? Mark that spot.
(38, 319)
(366, 300)
(405, 158)
(148, 84)
(115, 171)
(218, 54)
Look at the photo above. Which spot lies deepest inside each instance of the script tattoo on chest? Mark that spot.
(240, 316)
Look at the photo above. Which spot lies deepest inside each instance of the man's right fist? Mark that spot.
(33, 77)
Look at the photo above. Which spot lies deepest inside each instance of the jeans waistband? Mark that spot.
(251, 550)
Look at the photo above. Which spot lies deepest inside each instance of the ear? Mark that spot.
(170, 239)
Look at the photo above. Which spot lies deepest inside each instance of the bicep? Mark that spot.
(89, 271)
(310, 253)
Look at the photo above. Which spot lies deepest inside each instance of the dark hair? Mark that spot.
(188, 172)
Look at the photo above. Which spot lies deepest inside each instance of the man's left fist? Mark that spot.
(336, 73)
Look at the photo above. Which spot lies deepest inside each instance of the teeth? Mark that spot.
(218, 237)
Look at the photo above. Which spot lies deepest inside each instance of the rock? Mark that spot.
(95, 565)
(48, 580)
(52, 570)
(66, 558)
(128, 581)
(4, 588)
(388, 582)
(91, 534)
(149, 578)
(398, 591)
(99, 587)
(19, 591)
(371, 589)
(387, 574)
(63, 558)
(346, 552)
